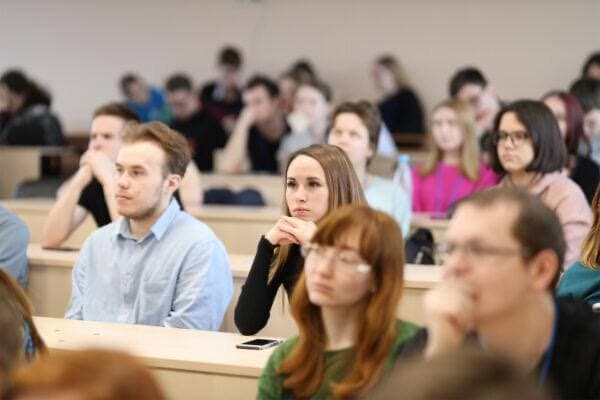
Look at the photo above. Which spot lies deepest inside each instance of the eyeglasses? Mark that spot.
(343, 260)
(475, 251)
(516, 138)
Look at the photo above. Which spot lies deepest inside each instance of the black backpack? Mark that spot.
(419, 247)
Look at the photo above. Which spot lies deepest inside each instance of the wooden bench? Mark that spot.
(50, 289)
(239, 228)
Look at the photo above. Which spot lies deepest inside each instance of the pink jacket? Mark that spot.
(567, 200)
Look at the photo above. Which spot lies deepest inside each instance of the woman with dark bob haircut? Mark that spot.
(529, 150)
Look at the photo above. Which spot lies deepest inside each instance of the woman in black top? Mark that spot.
(569, 115)
(318, 179)
(399, 106)
(25, 116)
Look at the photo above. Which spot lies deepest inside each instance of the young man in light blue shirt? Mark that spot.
(157, 265)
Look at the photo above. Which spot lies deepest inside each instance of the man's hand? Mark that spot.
(449, 313)
(103, 168)
(83, 176)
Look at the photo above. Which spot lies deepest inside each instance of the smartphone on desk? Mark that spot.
(258, 344)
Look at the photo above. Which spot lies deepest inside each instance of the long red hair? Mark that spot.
(381, 246)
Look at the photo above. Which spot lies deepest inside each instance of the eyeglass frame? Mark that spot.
(357, 266)
(501, 137)
(478, 251)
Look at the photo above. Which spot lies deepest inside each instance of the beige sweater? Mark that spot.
(566, 199)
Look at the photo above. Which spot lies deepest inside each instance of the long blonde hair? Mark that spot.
(342, 183)
(590, 250)
(469, 150)
(381, 246)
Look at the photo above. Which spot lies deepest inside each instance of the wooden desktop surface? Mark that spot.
(189, 364)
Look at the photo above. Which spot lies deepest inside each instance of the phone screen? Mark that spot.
(258, 342)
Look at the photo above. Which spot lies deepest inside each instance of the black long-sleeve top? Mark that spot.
(402, 112)
(587, 175)
(253, 308)
(574, 371)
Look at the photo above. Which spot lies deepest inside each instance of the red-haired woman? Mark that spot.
(345, 306)
(569, 115)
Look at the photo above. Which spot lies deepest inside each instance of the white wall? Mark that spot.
(79, 49)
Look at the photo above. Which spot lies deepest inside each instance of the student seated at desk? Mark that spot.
(25, 116)
(222, 97)
(158, 265)
(203, 133)
(569, 115)
(345, 306)
(464, 374)
(92, 188)
(529, 151)
(470, 86)
(318, 179)
(400, 107)
(453, 168)
(587, 91)
(258, 131)
(500, 284)
(308, 120)
(148, 102)
(582, 280)
(355, 128)
(19, 338)
(84, 375)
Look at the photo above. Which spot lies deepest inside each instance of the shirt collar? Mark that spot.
(158, 229)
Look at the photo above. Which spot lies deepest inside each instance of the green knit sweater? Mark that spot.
(270, 384)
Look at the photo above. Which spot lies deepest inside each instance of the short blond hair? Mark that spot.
(173, 144)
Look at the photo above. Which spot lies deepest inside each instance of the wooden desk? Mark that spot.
(19, 163)
(239, 228)
(50, 289)
(189, 364)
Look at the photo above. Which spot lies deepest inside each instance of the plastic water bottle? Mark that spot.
(402, 175)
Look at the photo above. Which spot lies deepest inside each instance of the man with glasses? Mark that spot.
(502, 260)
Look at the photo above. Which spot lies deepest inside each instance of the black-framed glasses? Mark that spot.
(343, 259)
(516, 138)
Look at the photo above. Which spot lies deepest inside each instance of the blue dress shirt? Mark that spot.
(14, 238)
(177, 276)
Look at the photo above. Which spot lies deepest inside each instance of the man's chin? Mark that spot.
(126, 212)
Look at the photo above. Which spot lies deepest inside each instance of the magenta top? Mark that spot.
(437, 191)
